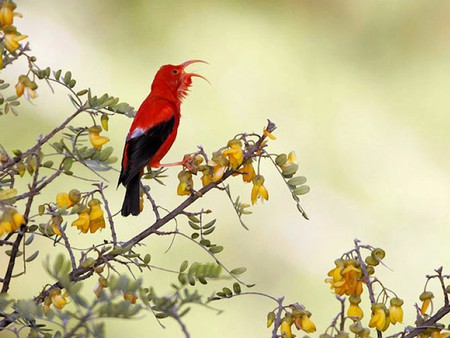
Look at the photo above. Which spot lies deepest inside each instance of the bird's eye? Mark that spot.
(174, 71)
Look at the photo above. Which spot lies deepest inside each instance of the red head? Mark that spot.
(173, 82)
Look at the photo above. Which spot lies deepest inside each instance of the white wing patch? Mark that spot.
(137, 132)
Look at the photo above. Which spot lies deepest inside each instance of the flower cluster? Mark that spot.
(229, 158)
(346, 277)
(349, 276)
(11, 36)
(298, 317)
(90, 217)
(10, 221)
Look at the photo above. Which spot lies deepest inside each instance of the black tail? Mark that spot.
(131, 203)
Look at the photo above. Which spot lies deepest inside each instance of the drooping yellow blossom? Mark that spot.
(219, 164)
(439, 334)
(58, 298)
(335, 273)
(10, 221)
(303, 322)
(234, 153)
(26, 87)
(396, 311)
(354, 311)
(247, 171)
(96, 218)
(56, 222)
(346, 279)
(63, 200)
(102, 283)
(285, 327)
(259, 190)
(82, 222)
(7, 13)
(12, 38)
(380, 317)
(97, 141)
(186, 183)
(128, 296)
(352, 275)
(67, 200)
(207, 176)
(426, 298)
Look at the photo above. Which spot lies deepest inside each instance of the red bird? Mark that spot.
(154, 129)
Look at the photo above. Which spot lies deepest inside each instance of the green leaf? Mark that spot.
(238, 271)
(32, 257)
(237, 288)
(193, 225)
(216, 249)
(147, 258)
(67, 164)
(48, 164)
(184, 266)
(301, 190)
(227, 291)
(298, 180)
(209, 224)
(207, 232)
(290, 170)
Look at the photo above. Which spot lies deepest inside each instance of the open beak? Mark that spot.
(187, 63)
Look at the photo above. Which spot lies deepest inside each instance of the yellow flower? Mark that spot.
(130, 297)
(219, 165)
(82, 222)
(7, 13)
(304, 323)
(96, 218)
(186, 184)
(63, 200)
(285, 327)
(26, 87)
(56, 224)
(355, 312)
(426, 298)
(207, 176)
(396, 311)
(259, 190)
(58, 299)
(97, 141)
(12, 38)
(234, 153)
(247, 171)
(379, 319)
(10, 221)
(438, 334)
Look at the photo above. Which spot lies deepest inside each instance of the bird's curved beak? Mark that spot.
(187, 63)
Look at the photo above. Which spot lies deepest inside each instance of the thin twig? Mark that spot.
(101, 187)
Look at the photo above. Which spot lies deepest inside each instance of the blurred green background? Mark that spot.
(359, 89)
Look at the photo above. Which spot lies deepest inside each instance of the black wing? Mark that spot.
(142, 148)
